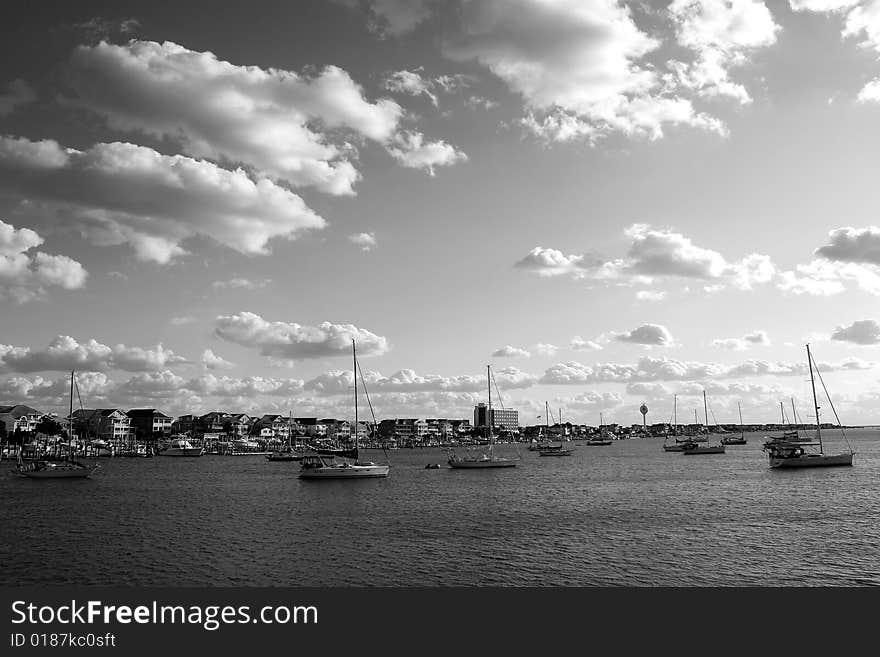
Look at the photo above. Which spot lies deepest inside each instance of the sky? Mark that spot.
(610, 203)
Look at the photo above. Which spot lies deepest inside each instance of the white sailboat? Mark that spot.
(784, 453)
(487, 458)
(67, 468)
(552, 449)
(677, 446)
(287, 452)
(605, 437)
(695, 448)
(321, 466)
(736, 440)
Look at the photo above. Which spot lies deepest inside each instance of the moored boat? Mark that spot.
(693, 448)
(783, 453)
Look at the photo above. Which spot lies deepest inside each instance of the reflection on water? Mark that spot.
(625, 514)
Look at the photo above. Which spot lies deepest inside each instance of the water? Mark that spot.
(625, 514)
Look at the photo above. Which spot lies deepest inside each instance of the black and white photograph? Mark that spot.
(357, 294)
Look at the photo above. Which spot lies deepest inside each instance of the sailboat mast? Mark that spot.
(675, 411)
(815, 403)
(355, 379)
(739, 406)
(706, 410)
(489, 409)
(70, 417)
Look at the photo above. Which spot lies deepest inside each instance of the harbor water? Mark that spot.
(627, 514)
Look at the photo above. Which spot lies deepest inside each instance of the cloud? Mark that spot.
(392, 17)
(65, 353)
(408, 381)
(552, 262)
(182, 320)
(743, 343)
(650, 295)
(241, 284)
(580, 344)
(130, 194)
(822, 5)
(24, 275)
(578, 66)
(864, 20)
(217, 110)
(654, 254)
(544, 349)
(649, 369)
(863, 331)
(870, 92)
(18, 93)
(510, 352)
(366, 241)
(411, 150)
(212, 361)
(648, 334)
(291, 341)
(411, 83)
(848, 244)
(721, 34)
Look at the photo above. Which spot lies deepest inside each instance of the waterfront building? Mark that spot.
(110, 424)
(149, 423)
(19, 418)
(504, 418)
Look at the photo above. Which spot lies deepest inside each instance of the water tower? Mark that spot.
(643, 409)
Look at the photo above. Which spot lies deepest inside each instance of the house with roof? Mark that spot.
(149, 423)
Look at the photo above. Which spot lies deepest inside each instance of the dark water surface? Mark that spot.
(625, 514)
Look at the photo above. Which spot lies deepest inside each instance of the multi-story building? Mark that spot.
(110, 424)
(504, 418)
(19, 418)
(311, 427)
(149, 423)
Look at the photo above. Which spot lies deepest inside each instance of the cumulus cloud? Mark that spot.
(392, 17)
(411, 83)
(648, 334)
(544, 349)
(212, 361)
(291, 341)
(18, 93)
(649, 369)
(743, 343)
(65, 353)
(578, 66)
(412, 151)
(863, 331)
(722, 34)
(182, 320)
(863, 21)
(24, 274)
(367, 241)
(303, 129)
(848, 244)
(407, 381)
(220, 111)
(508, 351)
(580, 344)
(124, 193)
(654, 254)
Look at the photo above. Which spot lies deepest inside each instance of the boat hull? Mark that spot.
(673, 448)
(599, 442)
(557, 452)
(734, 441)
(708, 449)
(471, 465)
(346, 472)
(811, 461)
(181, 451)
(57, 472)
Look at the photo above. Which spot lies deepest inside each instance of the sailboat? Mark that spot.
(286, 453)
(551, 449)
(694, 448)
(486, 459)
(785, 453)
(678, 445)
(68, 468)
(322, 466)
(736, 440)
(603, 438)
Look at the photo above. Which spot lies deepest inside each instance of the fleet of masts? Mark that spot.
(788, 450)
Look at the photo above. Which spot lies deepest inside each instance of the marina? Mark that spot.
(622, 515)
